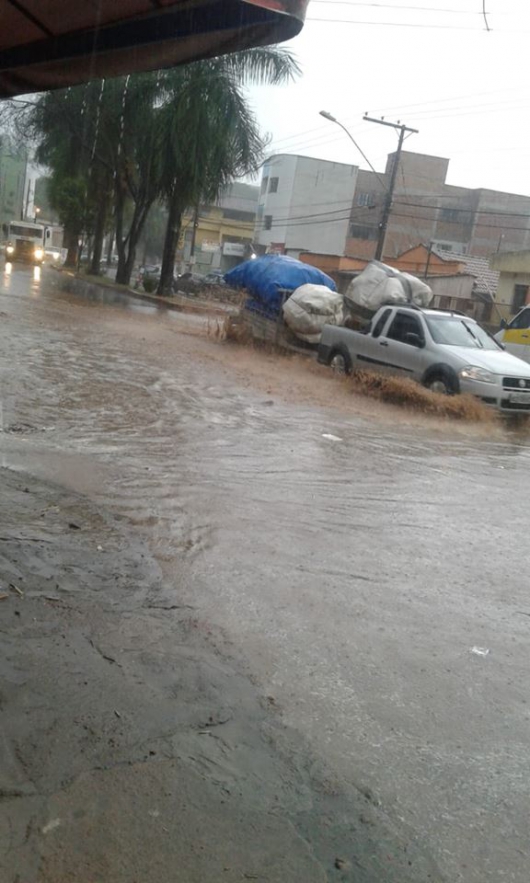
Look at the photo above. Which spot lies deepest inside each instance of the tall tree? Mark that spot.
(209, 134)
(103, 134)
(63, 124)
(131, 126)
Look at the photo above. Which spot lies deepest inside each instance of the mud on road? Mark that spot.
(265, 671)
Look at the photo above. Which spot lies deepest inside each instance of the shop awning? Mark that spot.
(51, 44)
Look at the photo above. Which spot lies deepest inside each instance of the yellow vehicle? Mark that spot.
(515, 334)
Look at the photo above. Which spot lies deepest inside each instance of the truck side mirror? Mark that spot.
(413, 339)
(504, 323)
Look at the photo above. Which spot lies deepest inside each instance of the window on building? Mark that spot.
(366, 199)
(363, 231)
(264, 184)
(234, 214)
(520, 293)
(449, 214)
(273, 185)
(454, 215)
(267, 222)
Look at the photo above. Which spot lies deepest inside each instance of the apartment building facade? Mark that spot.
(304, 205)
(224, 232)
(428, 210)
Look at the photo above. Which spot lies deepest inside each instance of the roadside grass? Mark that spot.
(409, 394)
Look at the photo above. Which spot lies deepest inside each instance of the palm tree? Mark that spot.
(131, 127)
(210, 133)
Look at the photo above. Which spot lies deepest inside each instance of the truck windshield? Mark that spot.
(29, 232)
(458, 331)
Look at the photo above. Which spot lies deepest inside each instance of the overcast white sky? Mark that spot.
(428, 63)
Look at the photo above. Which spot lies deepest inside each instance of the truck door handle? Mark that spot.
(524, 335)
(383, 343)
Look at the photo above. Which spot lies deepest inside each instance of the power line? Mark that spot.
(396, 214)
(298, 136)
(391, 6)
(402, 24)
(316, 140)
(470, 210)
(321, 217)
(317, 217)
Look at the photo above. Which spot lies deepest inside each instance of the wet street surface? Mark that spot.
(347, 590)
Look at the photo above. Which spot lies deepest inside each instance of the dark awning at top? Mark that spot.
(50, 44)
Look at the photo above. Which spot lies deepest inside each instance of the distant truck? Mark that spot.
(28, 242)
(445, 351)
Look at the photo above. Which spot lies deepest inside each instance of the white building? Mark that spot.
(304, 205)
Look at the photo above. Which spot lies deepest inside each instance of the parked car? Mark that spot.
(215, 277)
(515, 334)
(445, 351)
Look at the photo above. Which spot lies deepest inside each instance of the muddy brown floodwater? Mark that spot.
(332, 572)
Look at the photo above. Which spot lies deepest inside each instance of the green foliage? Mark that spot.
(68, 197)
(210, 135)
(177, 136)
(150, 283)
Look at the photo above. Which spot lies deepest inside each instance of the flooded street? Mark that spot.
(357, 563)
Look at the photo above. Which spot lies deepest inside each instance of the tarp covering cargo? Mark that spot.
(311, 307)
(379, 284)
(266, 277)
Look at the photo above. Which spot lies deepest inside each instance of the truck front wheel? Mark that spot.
(442, 380)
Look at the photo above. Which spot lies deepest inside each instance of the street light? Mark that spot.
(37, 211)
(329, 116)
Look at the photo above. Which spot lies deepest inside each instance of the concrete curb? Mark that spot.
(76, 284)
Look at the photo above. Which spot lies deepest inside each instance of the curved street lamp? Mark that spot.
(329, 116)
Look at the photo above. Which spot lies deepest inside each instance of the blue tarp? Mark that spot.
(265, 276)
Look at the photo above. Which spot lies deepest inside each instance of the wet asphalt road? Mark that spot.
(353, 575)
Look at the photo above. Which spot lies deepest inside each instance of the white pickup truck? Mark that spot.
(444, 351)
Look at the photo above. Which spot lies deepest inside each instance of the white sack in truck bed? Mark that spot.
(379, 284)
(309, 308)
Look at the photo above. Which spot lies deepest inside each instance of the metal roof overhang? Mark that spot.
(51, 44)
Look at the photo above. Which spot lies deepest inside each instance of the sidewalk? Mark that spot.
(131, 751)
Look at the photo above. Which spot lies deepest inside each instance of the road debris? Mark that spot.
(480, 651)
(51, 825)
(331, 437)
(341, 864)
(4, 596)
(16, 589)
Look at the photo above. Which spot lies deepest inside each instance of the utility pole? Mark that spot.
(387, 207)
